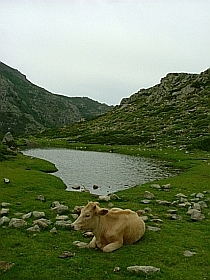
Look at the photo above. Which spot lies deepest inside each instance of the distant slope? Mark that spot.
(175, 112)
(27, 108)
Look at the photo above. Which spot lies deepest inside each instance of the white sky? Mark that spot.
(104, 49)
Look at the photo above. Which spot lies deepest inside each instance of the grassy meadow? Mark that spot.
(36, 255)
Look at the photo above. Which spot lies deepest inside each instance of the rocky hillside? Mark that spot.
(175, 112)
(27, 108)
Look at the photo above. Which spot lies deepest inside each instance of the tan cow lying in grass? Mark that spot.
(111, 228)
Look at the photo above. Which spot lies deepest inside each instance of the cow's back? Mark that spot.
(127, 223)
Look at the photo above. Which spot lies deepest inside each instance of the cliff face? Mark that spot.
(175, 112)
(27, 108)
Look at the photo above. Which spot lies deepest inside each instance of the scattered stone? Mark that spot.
(184, 204)
(183, 199)
(5, 204)
(194, 199)
(155, 186)
(140, 212)
(60, 209)
(189, 253)
(35, 228)
(95, 187)
(6, 181)
(4, 220)
(55, 204)
(54, 230)
(66, 254)
(181, 195)
(197, 215)
(203, 204)
(147, 209)
(18, 214)
(200, 195)
(104, 198)
(113, 196)
(81, 244)
(6, 265)
(145, 201)
(62, 217)
(196, 206)
(63, 224)
(116, 269)
(4, 212)
(77, 209)
(76, 187)
(17, 223)
(144, 218)
(157, 221)
(41, 198)
(166, 187)
(163, 202)
(153, 228)
(145, 269)
(88, 234)
(26, 216)
(172, 211)
(38, 214)
(193, 194)
(176, 217)
(74, 216)
(44, 223)
(148, 195)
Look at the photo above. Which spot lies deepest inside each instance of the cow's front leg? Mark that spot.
(93, 243)
(112, 246)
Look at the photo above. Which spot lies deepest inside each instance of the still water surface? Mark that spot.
(111, 172)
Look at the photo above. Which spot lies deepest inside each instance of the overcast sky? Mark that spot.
(104, 49)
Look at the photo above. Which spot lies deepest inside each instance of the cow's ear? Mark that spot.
(103, 212)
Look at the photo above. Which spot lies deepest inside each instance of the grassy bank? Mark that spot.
(36, 255)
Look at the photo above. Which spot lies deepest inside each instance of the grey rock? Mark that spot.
(155, 186)
(181, 195)
(77, 209)
(5, 204)
(167, 186)
(200, 195)
(63, 224)
(163, 202)
(41, 198)
(148, 195)
(144, 269)
(196, 206)
(66, 254)
(35, 228)
(60, 209)
(76, 187)
(26, 216)
(140, 212)
(144, 218)
(4, 212)
(153, 228)
(172, 211)
(116, 269)
(38, 214)
(54, 230)
(203, 204)
(176, 217)
(189, 253)
(81, 244)
(74, 216)
(55, 204)
(4, 220)
(104, 198)
(197, 215)
(17, 223)
(6, 181)
(145, 201)
(44, 223)
(62, 217)
(113, 196)
(157, 221)
(148, 209)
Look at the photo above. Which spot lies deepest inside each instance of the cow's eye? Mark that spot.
(87, 216)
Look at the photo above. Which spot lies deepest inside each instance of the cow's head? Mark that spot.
(89, 217)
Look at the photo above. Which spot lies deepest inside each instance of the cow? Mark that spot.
(111, 228)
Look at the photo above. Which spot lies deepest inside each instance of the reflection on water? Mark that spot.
(109, 171)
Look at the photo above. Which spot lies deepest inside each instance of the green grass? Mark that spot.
(36, 256)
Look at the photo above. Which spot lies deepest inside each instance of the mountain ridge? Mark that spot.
(27, 108)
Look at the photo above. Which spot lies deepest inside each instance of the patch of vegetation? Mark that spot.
(36, 255)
